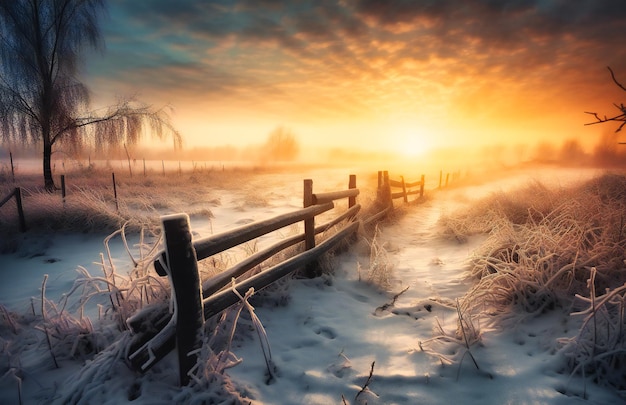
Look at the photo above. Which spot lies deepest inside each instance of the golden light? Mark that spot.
(412, 142)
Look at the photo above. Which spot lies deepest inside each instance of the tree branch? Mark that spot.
(615, 80)
(121, 112)
(618, 118)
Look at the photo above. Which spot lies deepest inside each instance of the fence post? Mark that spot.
(406, 200)
(312, 269)
(183, 272)
(351, 185)
(20, 209)
(130, 170)
(12, 167)
(309, 223)
(117, 207)
(387, 190)
(63, 188)
(447, 178)
(440, 177)
(422, 187)
(379, 189)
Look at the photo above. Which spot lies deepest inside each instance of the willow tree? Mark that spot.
(43, 44)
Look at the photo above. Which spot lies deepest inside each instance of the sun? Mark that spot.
(411, 142)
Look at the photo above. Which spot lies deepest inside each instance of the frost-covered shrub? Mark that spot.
(572, 253)
(379, 270)
(543, 261)
(599, 348)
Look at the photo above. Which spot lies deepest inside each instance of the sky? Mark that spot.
(403, 75)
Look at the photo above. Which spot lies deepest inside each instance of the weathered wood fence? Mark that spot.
(407, 188)
(17, 193)
(455, 176)
(385, 194)
(157, 332)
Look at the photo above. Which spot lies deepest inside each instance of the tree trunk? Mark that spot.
(47, 169)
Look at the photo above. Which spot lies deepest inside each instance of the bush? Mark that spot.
(550, 249)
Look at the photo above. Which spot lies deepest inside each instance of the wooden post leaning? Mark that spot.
(188, 307)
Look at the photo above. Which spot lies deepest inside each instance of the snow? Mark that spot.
(331, 334)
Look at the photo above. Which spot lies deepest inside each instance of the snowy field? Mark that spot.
(350, 337)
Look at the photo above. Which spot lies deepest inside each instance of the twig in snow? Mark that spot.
(386, 306)
(263, 339)
(367, 383)
(9, 319)
(43, 315)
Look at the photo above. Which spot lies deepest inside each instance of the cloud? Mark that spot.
(351, 59)
(488, 25)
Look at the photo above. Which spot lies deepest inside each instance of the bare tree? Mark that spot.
(621, 117)
(42, 44)
(282, 144)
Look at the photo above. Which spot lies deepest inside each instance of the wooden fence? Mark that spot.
(385, 194)
(17, 193)
(407, 188)
(455, 176)
(157, 331)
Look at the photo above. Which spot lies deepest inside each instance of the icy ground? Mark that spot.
(333, 332)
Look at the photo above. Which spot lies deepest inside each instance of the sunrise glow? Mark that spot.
(347, 74)
(413, 142)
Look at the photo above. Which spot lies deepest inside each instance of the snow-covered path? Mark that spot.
(326, 340)
(335, 329)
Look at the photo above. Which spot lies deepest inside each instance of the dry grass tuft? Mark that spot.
(379, 271)
(547, 249)
(599, 348)
(90, 205)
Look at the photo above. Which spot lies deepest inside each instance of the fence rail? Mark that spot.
(406, 188)
(157, 331)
